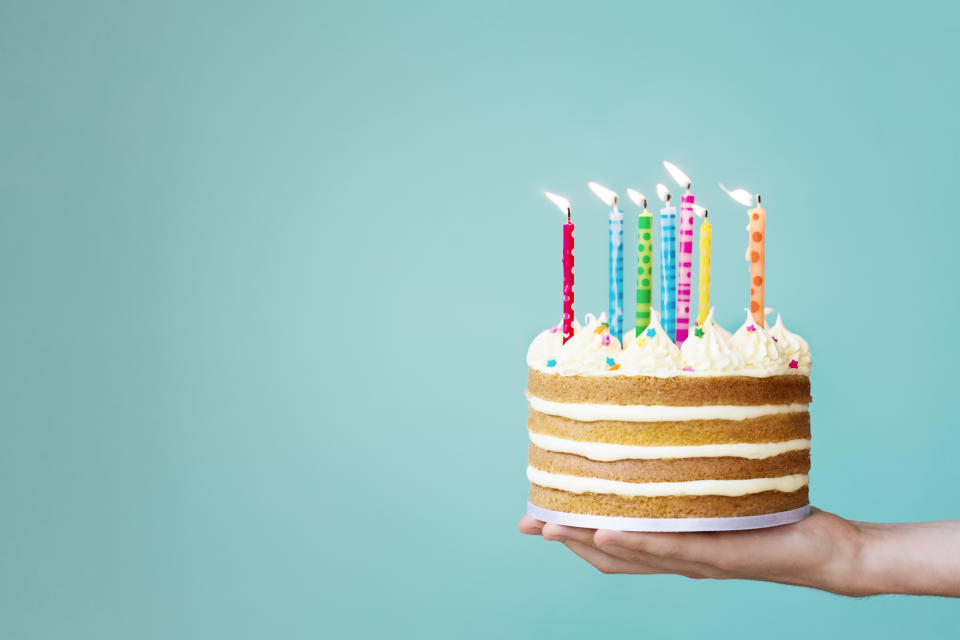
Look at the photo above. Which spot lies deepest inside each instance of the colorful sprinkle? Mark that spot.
(641, 342)
(794, 364)
(600, 329)
(752, 328)
(651, 333)
(774, 339)
(555, 328)
(614, 367)
(688, 369)
(606, 340)
(551, 363)
(698, 332)
(610, 362)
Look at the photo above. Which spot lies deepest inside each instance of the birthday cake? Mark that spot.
(671, 430)
(717, 429)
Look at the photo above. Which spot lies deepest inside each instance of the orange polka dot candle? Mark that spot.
(756, 253)
(644, 260)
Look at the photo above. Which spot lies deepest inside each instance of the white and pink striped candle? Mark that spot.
(684, 252)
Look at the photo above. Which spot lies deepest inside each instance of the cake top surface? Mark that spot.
(710, 350)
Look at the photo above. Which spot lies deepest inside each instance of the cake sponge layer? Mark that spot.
(669, 506)
(772, 428)
(675, 391)
(671, 470)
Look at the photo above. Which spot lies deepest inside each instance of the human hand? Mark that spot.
(823, 551)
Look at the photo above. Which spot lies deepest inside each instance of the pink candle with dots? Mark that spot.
(567, 323)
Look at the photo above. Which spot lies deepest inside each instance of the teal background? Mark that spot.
(269, 272)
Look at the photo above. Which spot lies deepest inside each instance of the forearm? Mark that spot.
(915, 558)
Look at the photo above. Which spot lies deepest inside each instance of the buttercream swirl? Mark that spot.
(758, 348)
(716, 326)
(708, 351)
(652, 352)
(796, 350)
(590, 351)
(542, 354)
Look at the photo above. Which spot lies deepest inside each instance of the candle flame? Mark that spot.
(662, 192)
(560, 201)
(742, 196)
(700, 211)
(637, 197)
(608, 196)
(679, 176)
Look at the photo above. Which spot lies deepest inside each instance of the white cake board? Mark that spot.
(617, 523)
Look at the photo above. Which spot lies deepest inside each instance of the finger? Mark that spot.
(562, 533)
(694, 554)
(604, 562)
(660, 563)
(530, 525)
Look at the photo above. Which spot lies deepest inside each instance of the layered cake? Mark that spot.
(650, 436)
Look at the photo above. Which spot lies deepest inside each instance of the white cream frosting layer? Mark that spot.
(657, 413)
(606, 452)
(709, 351)
(581, 484)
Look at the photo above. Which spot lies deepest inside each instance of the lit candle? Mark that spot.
(616, 259)
(567, 324)
(684, 252)
(706, 231)
(756, 252)
(668, 263)
(644, 261)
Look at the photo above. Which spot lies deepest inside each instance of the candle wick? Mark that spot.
(758, 199)
(688, 187)
(706, 214)
(644, 205)
(568, 214)
(668, 198)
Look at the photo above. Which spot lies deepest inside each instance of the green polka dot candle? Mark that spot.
(644, 261)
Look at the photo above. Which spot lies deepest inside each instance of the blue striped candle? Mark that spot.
(616, 272)
(668, 269)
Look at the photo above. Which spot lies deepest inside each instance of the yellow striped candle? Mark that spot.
(703, 305)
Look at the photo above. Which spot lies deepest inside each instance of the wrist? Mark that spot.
(909, 558)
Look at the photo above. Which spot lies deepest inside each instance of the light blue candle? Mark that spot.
(668, 265)
(616, 272)
(616, 259)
